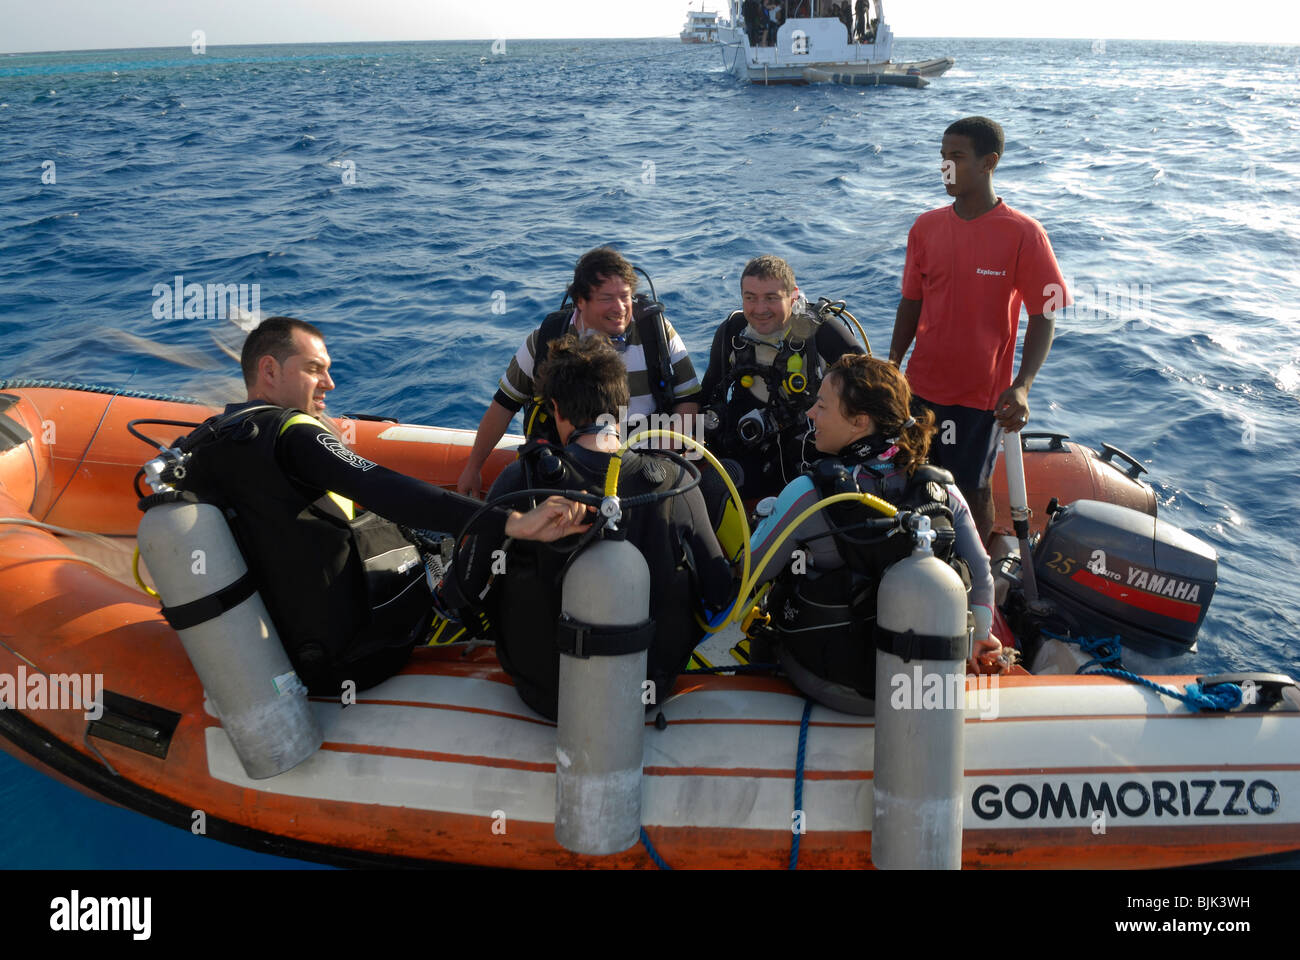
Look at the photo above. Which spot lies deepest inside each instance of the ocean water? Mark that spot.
(424, 204)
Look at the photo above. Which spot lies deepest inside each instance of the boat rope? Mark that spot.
(654, 854)
(18, 384)
(71, 557)
(798, 783)
(1222, 696)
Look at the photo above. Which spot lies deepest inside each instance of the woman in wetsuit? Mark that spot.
(822, 607)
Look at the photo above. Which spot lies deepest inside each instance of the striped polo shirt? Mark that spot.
(516, 387)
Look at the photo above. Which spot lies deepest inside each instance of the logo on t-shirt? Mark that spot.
(990, 273)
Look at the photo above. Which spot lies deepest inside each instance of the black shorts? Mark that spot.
(965, 444)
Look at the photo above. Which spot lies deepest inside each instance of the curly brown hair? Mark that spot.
(879, 389)
(595, 267)
(585, 377)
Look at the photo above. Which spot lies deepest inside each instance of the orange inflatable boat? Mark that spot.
(444, 763)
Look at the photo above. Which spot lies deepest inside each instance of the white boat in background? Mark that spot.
(701, 26)
(813, 46)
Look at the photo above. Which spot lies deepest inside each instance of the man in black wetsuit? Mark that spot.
(765, 366)
(345, 588)
(583, 382)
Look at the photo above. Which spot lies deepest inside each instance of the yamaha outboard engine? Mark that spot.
(1106, 569)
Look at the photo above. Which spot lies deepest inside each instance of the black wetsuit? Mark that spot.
(344, 587)
(686, 566)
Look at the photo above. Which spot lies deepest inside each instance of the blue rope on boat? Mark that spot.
(798, 782)
(1222, 696)
(654, 854)
(18, 384)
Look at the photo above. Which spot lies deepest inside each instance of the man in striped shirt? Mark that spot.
(660, 377)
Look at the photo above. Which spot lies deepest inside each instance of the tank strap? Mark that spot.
(918, 646)
(580, 640)
(207, 608)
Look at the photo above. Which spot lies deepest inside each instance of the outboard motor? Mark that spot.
(1106, 569)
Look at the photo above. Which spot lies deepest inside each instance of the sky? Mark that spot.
(108, 24)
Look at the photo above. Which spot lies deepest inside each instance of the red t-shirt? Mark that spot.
(972, 276)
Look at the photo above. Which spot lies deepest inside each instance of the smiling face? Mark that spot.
(835, 431)
(963, 171)
(302, 380)
(766, 302)
(609, 308)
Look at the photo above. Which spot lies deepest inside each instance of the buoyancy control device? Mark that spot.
(348, 592)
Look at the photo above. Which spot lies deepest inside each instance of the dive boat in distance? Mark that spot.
(701, 26)
(815, 46)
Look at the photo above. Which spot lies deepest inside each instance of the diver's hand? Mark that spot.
(552, 519)
(470, 483)
(985, 656)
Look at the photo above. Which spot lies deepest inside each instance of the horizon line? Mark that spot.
(490, 40)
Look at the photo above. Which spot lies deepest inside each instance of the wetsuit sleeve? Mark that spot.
(970, 549)
(317, 459)
(833, 341)
(712, 570)
(799, 495)
(717, 364)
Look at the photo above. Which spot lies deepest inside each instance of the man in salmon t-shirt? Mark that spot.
(970, 267)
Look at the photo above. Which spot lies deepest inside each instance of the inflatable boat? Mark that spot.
(444, 763)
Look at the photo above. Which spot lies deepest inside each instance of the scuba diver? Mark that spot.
(765, 365)
(821, 609)
(345, 587)
(583, 383)
(658, 371)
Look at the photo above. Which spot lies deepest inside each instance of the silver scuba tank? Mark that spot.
(602, 699)
(209, 599)
(923, 642)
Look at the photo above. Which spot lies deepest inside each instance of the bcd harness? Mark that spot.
(523, 604)
(827, 623)
(792, 380)
(347, 592)
(648, 315)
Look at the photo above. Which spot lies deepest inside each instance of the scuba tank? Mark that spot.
(209, 599)
(922, 641)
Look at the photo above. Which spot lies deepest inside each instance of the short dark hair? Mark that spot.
(768, 267)
(272, 337)
(595, 267)
(985, 134)
(585, 377)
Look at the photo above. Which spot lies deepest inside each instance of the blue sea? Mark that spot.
(424, 204)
